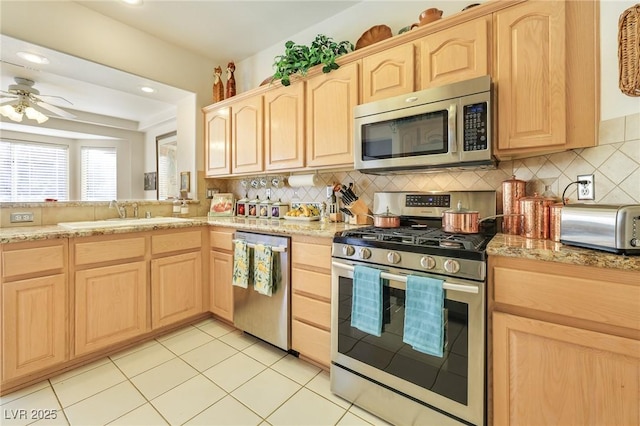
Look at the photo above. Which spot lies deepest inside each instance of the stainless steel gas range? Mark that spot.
(384, 375)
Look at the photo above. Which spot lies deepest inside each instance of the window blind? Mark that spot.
(98, 179)
(33, 171)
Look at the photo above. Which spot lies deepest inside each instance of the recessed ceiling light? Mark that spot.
(133, 2)
(32, 57)
(147, 89)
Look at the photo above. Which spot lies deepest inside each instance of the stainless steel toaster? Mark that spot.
(613, 228)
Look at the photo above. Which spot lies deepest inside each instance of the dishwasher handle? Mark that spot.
(279, 249)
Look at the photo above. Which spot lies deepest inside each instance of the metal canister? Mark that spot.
(512, 191)
(555, 217)
(535, 223)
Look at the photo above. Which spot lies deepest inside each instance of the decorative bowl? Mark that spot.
(373, 35)
(430, 15)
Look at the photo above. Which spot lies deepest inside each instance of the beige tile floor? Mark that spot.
(204, 374)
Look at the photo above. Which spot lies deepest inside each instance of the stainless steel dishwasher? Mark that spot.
(266, 317)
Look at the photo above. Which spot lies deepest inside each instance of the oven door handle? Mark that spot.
(280, 249)
(403, 278)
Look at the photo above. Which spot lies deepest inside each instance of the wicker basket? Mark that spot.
(629, 51)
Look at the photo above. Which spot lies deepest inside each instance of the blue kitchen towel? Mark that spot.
(240, 264)
(423, 315)
(366, 306)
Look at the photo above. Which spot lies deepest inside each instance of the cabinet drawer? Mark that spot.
(568, 291)
(311, 342)
(312, 311)
(311, 254)
(166, 243)
(313, 283)
(105, 251)
(32, 260)
(221, 240)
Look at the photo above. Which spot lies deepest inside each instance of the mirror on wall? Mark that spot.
(167, 165)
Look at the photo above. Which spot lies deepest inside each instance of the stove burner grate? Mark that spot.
(429, 237)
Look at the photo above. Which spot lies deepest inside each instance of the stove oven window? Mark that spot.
(446, 376)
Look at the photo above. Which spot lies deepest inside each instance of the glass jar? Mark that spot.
(176, 207)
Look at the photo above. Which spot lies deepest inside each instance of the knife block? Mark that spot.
(361, 213)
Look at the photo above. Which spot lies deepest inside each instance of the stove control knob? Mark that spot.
(348, 250)
(364, 253)
(427, 262)
(393, 257)
(451, 266)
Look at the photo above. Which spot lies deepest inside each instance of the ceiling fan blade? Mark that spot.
(55, 109)
(7, 94)
(52, 96)
(9, 101)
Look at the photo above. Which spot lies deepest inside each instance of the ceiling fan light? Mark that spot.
(33, 58)
(34, 114)
(10, 112)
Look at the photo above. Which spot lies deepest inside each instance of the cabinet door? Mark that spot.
(388, 73)
(530, 75)
(110, 305)
(221, 270)
(284, 127)
(34, 325)
(551, 374)
(217, 133)
(176, 288)
(455, 54)
(330, 101)
(247, 137)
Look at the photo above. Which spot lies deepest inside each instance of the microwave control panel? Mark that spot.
(475, 127)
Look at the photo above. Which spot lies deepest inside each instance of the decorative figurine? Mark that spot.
(218, 86)
(231, 80)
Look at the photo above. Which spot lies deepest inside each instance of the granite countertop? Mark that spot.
(500, 245)
(48, 232)
(526, 248)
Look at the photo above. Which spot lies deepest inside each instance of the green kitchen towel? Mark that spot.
(263, 269)
(240, 264)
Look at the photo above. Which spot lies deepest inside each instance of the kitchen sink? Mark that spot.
(117, 223)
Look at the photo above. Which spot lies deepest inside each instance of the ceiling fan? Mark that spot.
(23, 99)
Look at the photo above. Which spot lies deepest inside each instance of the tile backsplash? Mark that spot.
(615, 162)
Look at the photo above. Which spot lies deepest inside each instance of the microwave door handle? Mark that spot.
(453, 146)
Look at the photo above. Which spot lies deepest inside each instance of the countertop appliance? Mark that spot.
(442, 127)
(383, 374)
(266, 317)
(613, 228)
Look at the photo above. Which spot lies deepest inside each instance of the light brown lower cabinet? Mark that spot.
(311, 298)
(110, 305)
(221, 272)
(565, 343)
(176, 288)
(34, 308)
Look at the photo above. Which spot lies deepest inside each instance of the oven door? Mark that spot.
(453, 384)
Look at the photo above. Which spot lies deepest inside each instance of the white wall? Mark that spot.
(614, 103)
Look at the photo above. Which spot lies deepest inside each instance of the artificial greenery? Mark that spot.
(299, 58)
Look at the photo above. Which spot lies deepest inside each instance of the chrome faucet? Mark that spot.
(122, 212)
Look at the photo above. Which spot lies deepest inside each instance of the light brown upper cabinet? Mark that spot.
(546, 70)
(388, 73)
(284, 127)
(217, 133)
(247, 136)
(330, 100)
(454, 54)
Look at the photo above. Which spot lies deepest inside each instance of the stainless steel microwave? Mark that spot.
(446, 127)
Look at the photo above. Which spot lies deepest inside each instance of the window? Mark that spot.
(98, 177)
(33, 171)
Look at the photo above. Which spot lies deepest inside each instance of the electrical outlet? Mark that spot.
(586, 191)
(268, 192)
(21, 217)
(329, 191)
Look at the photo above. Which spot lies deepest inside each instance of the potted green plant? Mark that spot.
(300, 58)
